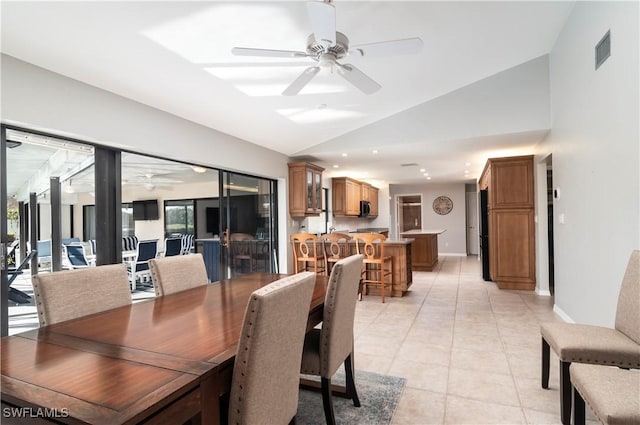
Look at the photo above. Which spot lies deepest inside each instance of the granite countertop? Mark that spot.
(424, 232)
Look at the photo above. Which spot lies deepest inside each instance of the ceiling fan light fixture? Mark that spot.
(198, 169)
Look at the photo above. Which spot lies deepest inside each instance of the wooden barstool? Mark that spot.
(376, 266)
(336, 247)
(306, 255)
(241, 244)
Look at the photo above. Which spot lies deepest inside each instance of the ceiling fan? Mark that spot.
(326, 46)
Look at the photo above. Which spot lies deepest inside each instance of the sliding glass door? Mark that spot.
(248, 222)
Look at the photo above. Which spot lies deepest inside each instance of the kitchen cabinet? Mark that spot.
(305, 189)
(370, 193)
(509, 185)
(346, 197)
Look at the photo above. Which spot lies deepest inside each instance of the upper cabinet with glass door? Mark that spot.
(305, 189)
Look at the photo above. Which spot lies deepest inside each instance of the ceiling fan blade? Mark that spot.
(358, 79)
(248, 51)
(302, 80)
(392, 47)
(323, 21)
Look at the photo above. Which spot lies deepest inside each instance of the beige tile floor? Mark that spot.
(470, 352)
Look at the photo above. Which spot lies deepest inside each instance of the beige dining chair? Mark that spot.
(596, 344)
(266, 372)
(66, 295)
(177, 273)
(613, 394)
(327, 348)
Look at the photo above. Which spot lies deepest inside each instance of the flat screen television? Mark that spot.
(146, 210)
(213, 219)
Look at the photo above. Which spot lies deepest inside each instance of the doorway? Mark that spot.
(409, 213)
(472, 223)
(550, 196)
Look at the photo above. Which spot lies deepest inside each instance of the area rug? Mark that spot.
(379, 396)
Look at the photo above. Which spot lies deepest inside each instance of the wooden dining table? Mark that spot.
(166, 360)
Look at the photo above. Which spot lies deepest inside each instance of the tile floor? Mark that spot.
(470, 352)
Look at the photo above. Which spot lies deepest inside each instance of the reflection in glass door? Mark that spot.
(248, 222)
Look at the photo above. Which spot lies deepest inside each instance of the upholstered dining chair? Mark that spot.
(336, 247)
(327, 348)
(612, 393)
(266, 372)
(595, 344)
(66, 295)
(177, 273)
(377, 267)
(307, 254)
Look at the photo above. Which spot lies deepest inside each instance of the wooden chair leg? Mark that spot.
(545, 363)
(293, 421)
(565, 393)
(350, 381)
(578, 408)
(327, 401)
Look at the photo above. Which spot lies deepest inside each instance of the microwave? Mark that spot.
(365, 209)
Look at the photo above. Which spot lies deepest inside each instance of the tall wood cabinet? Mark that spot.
(305, 189)
(509, 185)
(346, 196)
(370, 193)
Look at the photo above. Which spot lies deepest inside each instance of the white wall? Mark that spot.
(454, 240)
(595, 146)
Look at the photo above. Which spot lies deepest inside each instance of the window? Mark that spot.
(128, 225)
(179, 217)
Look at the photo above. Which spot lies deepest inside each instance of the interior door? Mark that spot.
(247, 212)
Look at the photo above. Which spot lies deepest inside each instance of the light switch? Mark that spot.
(561, 218)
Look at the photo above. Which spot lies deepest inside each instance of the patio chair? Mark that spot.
(17, 295)
(76, 256)
(172, 246)
(139, 267)
(187, 244)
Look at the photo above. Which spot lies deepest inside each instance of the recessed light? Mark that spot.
(425, 174)
(375, 152)
(198, 169)
(466, 171)
(344, 154)
(467, 164)
(428, 178)
(422, 170)
(335, 166)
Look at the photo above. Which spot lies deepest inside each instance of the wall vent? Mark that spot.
(603, 49)
(411, 164)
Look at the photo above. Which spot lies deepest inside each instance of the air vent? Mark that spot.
(412, 164)
(603, 49)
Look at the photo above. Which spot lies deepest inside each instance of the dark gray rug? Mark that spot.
(379, 396)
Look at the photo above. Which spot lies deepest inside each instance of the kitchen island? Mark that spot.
(424, 255)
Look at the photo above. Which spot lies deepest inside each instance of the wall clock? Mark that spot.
(442, 205)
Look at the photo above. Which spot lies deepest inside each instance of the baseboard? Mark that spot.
(564, 316)
(543, 292)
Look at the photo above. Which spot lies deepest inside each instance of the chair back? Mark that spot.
(172, 246)
(69, 294)
(336, 336)
(177, 273)
(145, 252)
(241, 245)
(75, 255)
(266, 373)
(187, 244)
(335, 245)
(305, 246)
(371, 245)
(628, 312)
(92, 246)
(129, 243)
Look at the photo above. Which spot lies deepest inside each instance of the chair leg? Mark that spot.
(565, 393)
(327, 401)
(350, 381)
(578, 408)
(293, 421)
(545, 364)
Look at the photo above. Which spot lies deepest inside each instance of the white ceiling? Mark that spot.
(175, 56)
